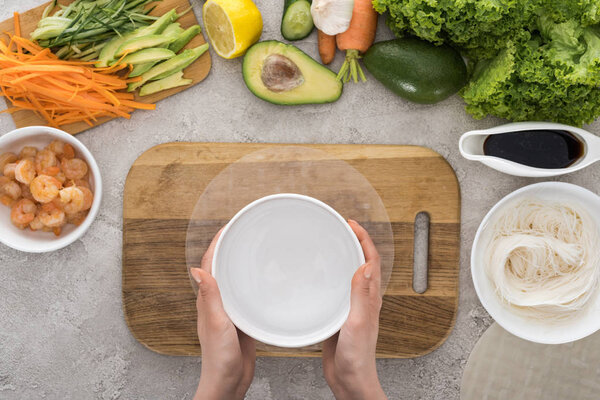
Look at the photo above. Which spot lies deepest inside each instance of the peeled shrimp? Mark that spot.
(77, 218)
(36, 224)
(25, 192)
(45, 159)
(88, 198)
(69, 152)
(61, 149)
(7, 200)
(27, 152)
(45, 188)
(52, 216)
(72, 199)
(61, 177)
(74, 168)
(57, 147)
(22, 213)
(78, 182)
(12, 189)
(52, 171)
(7, 158)
(25, 171)
(9, 170)
(4, 180)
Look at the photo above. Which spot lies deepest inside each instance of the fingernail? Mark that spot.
(367, 271)
(352, 221)
(196, 275)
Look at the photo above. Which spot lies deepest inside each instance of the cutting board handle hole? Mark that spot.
(421, 252)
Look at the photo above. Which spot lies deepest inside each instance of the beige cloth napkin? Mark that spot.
(504, 367)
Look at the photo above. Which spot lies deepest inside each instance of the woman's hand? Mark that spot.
(349, 356)
(228, 355)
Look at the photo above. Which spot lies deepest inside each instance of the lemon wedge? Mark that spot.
(232, 26)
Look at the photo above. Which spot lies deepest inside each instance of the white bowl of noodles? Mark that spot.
(39, 241)
(527, 301)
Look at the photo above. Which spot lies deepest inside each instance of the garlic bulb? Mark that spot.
(332, 16)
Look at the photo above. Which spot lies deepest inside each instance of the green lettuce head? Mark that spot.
(534, 59)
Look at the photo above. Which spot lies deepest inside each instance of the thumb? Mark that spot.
(359, 295)
(209, 296)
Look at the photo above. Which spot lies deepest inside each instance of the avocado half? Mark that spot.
(283, 74)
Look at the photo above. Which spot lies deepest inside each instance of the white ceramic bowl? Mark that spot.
(41, 242)
(585, 322)
(284, 265)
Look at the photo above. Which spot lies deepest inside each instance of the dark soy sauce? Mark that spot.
(549, 149)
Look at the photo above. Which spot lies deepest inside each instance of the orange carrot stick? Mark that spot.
(42, 68)
(357, 39)
(25, 77)
(18, 30)
(326, 47)
(141, 106)
(26, 44)
(17, 20)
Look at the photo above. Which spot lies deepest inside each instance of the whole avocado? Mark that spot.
(417, 70)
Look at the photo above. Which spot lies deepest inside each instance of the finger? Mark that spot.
(247, 344)
(328, 349)
(359, 295)
(195, 273)
(371, 254)
(207, 259)
(248, 347)
(369, 249)
(209, 297)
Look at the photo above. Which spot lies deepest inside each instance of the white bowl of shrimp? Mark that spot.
(50, 189)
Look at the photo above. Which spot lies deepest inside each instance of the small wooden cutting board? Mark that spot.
(197, 71)
(162, 189)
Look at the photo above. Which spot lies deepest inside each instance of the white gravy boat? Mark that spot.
(471, 148)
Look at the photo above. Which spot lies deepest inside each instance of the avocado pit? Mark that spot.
(280, 74)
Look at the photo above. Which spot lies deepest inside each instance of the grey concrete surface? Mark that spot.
(62, 332)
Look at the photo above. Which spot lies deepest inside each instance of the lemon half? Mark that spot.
(232, 26)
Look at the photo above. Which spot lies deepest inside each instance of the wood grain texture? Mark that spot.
(158, 300)
(197, 71)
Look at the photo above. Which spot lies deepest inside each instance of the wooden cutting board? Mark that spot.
(165, 183)
(197, 71)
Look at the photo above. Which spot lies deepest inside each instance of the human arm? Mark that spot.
(349, 356)
(228, 355)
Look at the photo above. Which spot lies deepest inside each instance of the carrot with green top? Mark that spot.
(357, 39)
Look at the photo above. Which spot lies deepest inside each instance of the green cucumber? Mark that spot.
(174, 29)
(148, 56)
(109, 51)
(297, 22)
(144, 42)
(416, 69)
(169, 67)
(172, 81)
(184, 38)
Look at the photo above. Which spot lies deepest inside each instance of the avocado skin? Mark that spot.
(253, 57)
(417, 70)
